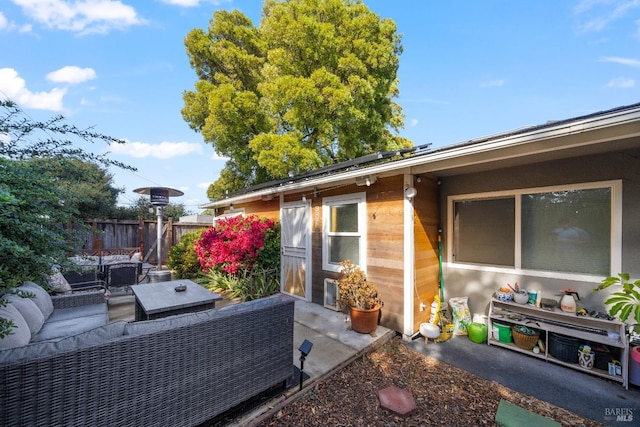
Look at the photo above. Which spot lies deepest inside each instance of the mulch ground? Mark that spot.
(444, 395)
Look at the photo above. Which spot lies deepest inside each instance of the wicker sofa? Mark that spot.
(179, 371)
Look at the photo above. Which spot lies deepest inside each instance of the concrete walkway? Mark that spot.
(335, 345)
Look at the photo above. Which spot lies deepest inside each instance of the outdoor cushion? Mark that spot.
(64, 328)
(85, 260)
(20, 335)
(112, 259)
(29, 311)
(79, 311)
(59, 283)
(42, 299)
(82, 340)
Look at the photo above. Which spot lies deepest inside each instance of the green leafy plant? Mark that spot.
(183, 259)
(625, 302)
(355, 290)
(254, 284)
(35, 206)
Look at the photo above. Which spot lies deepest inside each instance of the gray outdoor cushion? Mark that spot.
(68, 327)
(29, 311)
(20, 335)
(79, 311)
(42, 299)
(83, 340)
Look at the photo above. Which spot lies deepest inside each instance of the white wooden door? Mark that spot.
(295, 220)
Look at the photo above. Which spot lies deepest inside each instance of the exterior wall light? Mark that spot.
(366, 180)
(410, 192)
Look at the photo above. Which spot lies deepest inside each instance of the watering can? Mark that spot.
(568, 301)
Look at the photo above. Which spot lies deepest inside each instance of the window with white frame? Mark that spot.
(343, 236)
(568, 229)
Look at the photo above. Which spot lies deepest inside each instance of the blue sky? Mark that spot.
(469, 69)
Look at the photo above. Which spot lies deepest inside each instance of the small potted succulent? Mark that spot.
(625, 302)
(360, 296)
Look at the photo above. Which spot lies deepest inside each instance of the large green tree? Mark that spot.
(312, 85)
(142, 208)
(85, 184)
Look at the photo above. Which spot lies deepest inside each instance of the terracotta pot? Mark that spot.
(364, 321)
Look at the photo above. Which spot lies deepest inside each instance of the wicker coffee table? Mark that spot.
(156, 300)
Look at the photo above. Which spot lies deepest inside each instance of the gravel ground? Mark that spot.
(444, 395)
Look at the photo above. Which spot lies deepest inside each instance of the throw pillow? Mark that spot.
(42, 299)
(136, 257)
(59, 284)
(29, 311)
(20, 335)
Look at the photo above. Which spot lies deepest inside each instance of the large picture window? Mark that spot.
(343, 230)
(563, 230)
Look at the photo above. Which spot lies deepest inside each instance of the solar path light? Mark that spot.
(305, 349)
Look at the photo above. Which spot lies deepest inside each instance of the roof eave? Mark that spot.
(460, 154)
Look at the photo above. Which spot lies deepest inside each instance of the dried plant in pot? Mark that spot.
(360, 296)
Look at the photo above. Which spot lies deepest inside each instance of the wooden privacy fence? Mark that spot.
(107, 236)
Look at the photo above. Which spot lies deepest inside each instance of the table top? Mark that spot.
(162, 296)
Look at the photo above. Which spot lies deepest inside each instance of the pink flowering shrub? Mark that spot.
(234, 243)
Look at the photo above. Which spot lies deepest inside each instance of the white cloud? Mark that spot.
(623, 61)
(6, 25)
(183, 3)
(194, 3)
(204, 185)
(492, 83)
(83, 16)
(164, 150)
(71, 74)
(14, 87)
(621, 83)
(413, 123)
(602, 12)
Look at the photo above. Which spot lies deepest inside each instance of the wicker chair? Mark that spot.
(121, 274)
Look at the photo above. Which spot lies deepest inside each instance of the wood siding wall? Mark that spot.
(385, 242)
(426, 225)
(260, 208)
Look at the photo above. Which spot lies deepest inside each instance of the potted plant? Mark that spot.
(360, 296)
(625, 302)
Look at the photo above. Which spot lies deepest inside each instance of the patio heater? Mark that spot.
(159, 198)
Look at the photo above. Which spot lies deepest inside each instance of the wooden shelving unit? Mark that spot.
(586, 328)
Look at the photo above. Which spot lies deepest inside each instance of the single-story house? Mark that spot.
(551, 207)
